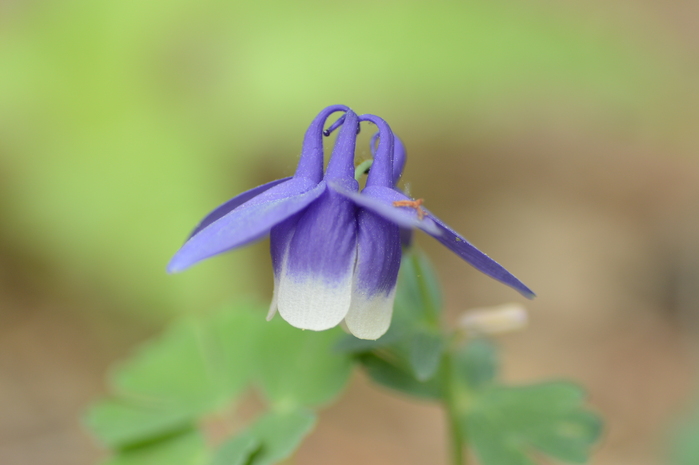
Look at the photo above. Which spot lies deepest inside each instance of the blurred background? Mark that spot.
(561, 137)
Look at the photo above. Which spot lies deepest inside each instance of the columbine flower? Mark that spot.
(335, 251)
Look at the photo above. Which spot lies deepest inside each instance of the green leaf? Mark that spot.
(234, 335)
(280, 434)
(504, 423)
(198, 366)
(237, 451)
(491, 448)
(119, 424)
(401, 379)
(192, 369)
(571, 439)
(425, 353)
(162, 389)
(430, 289)
(301, 367)
(418, 296)
(171, 371)
(685, 439)
(476, 363)
(271, 439)
(183, 449)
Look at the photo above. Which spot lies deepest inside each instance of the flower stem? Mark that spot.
(457, 437)
(362, 169)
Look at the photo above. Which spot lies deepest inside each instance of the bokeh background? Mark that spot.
(561, 137)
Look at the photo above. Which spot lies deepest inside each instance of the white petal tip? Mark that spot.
(273, 305)
(314, 303)
(272, 311)
(370, 318)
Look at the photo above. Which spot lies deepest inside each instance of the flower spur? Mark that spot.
(335, 251)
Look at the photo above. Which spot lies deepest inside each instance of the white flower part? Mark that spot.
(493, 320)
(370, 316)
(313, 302)
(273, 306)
(275, 292)
(343, 326)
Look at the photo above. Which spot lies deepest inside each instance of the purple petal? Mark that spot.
(399, 155)
(233, 203)
(315, 283)
(249, 222)
(379, 200)
(378, 255)
(311, 162)
(341, 163)
(399, 159)
(376, 273)
(464, 249)
(381, 173)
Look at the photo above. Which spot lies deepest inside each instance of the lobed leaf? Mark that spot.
(280, 434)
(183, 449)
(198, 366)
(119, 424)
(171, 372)
(300, 368)
(505, 424)
(272, 438)
(476, 363)
(234, 342)
(425, 354)
(237, 451)
(399, 378)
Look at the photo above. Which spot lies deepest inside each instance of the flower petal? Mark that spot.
(280, 237)
(311, 162)
(315, 283)
(248, 222)
(483, 263)
(379, 200)
(376, 273)
(399, 158)
(399, 155)
(234, 203)
(378, 254)
(370, 318)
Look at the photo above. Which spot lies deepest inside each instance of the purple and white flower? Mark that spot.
(335, 251)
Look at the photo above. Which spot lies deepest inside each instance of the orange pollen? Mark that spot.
(416, 204)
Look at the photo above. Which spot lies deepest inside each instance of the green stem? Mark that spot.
(362, 169)
(457, 437)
